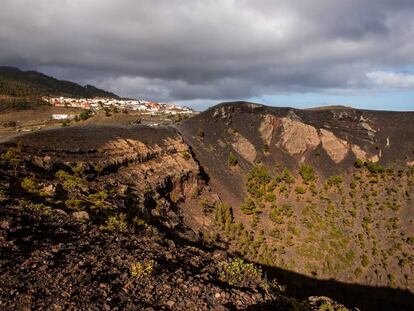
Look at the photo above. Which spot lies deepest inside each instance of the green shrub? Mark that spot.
(287, 176)
(359, 163)
(37, 208)
(115, 223)
(10, 124)
(365, 260)
(334, 181)
(200, 132)
(300, 190)
(70, 182)
(276, 217)
(240, 274)
(358, 272)
(224, 216)
(353, 184)
(367, 219)
(75, 204)
(313, 189)
(307, 172)
(375, 168)
(257, 180)
(84, 115)
(98, 200)
(142, 268)
(30, 185)
(249, 206)
(13, 157)
(232, 159)
(65, 123)
(186, 156)
(326, 306)
(278, 213)
(275, 233)
(138, 222)
(270, 197)
(207, 206)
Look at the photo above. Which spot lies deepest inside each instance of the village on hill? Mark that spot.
(96, 104)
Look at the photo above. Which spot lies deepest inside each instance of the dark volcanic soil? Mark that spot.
(56, 263)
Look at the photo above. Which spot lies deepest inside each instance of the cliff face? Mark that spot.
(143, 170)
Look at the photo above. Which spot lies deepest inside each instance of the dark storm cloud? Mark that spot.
(212, 49)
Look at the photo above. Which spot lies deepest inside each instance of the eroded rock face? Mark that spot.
(359, 153)
(244, 147)
(298, 137)
(152, 170)
(366, 126)
(374, 159)
(336, 148)
(267, 127)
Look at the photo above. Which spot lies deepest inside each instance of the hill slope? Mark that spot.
(15, 82)
(326, 193)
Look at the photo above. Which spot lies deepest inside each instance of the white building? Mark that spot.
(61, 116)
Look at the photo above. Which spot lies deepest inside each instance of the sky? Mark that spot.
(198, 53)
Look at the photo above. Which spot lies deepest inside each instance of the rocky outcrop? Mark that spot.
(267, 127)
(298, 137)
(364, 124)
(244, 147)
(152, 170)
(359, 152)
(336, 148)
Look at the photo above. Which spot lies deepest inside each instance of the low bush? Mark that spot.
(232, 159)
(257, 180)
(115, 223)
(307, 172)
(375, 168)
(186, 156)
(142, 268)
(75, 204)
(30, 185)
(240, 274)
(300, 190)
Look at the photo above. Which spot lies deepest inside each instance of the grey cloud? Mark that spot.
(209, 49)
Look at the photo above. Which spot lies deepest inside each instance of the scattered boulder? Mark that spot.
(49, 190)
(81, 216)
(374, 159)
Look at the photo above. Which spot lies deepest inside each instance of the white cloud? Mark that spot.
(393, 80)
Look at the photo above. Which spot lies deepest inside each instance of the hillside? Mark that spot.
(18, 83)
(327, 193)
(108, 230)
(319, 200)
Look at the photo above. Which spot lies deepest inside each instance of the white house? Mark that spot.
(61, 116)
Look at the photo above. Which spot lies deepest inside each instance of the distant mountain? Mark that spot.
(15, 82)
